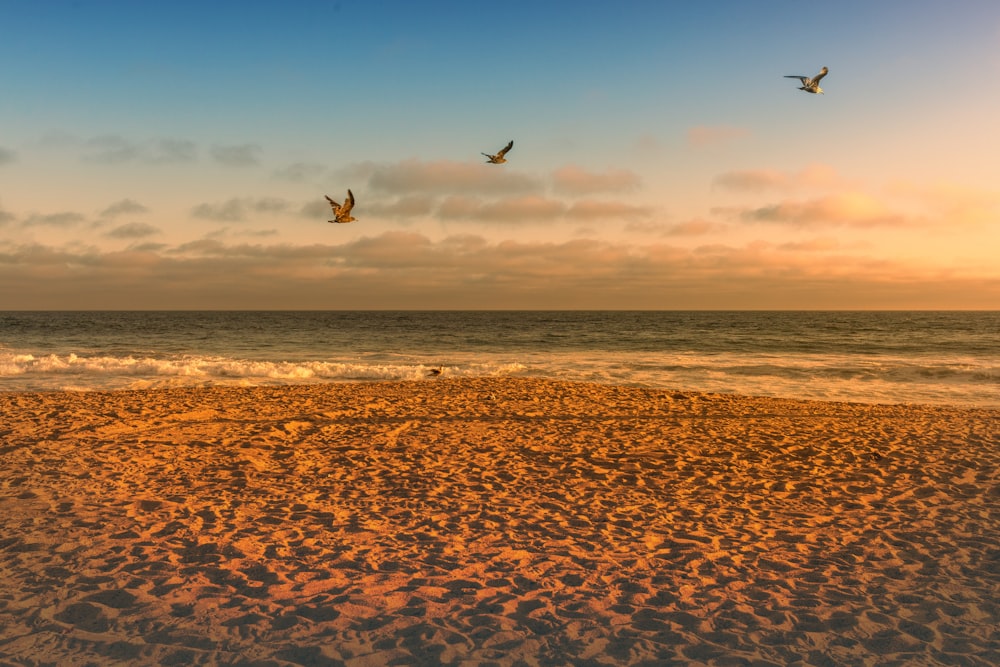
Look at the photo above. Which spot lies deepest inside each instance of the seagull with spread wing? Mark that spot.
(499, 157)
(809, 85)
(342, 213)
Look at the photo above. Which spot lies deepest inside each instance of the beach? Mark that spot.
(476, 521)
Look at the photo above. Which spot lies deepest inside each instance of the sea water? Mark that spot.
(950, 358)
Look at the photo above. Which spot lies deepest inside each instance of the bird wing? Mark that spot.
(803, 79)
(819, 76)
(503, 151)
(349, 202)
(334, 205)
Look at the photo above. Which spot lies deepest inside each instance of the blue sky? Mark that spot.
(175, 155)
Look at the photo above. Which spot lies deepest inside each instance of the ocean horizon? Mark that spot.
(927, 357)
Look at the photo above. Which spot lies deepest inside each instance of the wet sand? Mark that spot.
(494, 521)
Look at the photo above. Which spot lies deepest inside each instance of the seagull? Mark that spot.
(435, 371)
(809, 85)
(342, 213)
(499, 157)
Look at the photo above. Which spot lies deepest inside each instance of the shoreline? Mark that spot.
(499, 380)
(494, 519)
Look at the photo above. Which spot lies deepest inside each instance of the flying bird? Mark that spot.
(499, 157)
(342, 213)
(809, 85)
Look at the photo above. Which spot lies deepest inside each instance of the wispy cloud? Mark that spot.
(115, 149)
(647, 145)
(242, 155)
(5, 216)
(694, 227)
(531, 208)
(403, 207)
(64, 219)
(573, 180)
(824, 244)
(123, 207)
(702, 136)
(950, 203)
(812, 176)
(132, 230)
(852, 209)
(300, 172)
(239, 209)
(440, 177)
(603, 210)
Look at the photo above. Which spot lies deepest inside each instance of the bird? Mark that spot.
(435, 371)
(809, 85)
(342, 214)
(499, 157)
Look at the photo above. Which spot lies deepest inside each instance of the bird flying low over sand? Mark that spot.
(342, 213)
(499, 157)
(809, 85)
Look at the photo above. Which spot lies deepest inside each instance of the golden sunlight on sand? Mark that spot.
(494, 521)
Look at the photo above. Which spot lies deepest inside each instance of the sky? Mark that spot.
(176, 155)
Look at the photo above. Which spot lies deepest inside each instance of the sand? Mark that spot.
(494, 521)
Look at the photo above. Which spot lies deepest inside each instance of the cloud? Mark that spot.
(115, 149)
(530, 208)
(812, 176)
(110, 149)
(647, 145)
(132, 230)
(440, 177)
(316, 208)
(825, 244)
(593, 209)
(401, 269)
(7, 156)
(573, 180)
(534, 208)
(66, 219)
(950, 203)
(243, 155)
(239, 209)
(702, 136)
(695, 227)
(173, 150)
(300, 172)
(853, 209)
(5, 216)
(123, 207)
(755, 179)
(403, 207)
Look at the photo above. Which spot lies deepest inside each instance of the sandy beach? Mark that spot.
(494, 521)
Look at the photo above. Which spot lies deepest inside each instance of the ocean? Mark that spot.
(941, 358)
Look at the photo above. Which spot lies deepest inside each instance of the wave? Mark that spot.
(838, 377)
(71, 371)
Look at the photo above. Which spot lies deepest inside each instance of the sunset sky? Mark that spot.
(175, 155)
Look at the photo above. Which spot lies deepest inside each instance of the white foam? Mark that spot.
(881, 379)
(20, 371)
